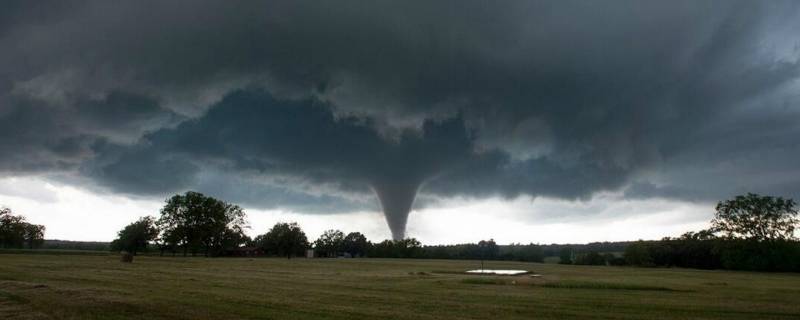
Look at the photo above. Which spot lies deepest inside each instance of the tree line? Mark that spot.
(748, 232)
(52, 244)
(192, 224)
(196, 224)
(17, 232)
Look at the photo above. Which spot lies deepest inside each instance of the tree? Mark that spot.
(383, 249)
(701, 235)
(16, 232)
(11, 233)
(356, 244)
(756, 217)
(330, 243)
(33, 235)
(405, 248)
(565, 256)
(136, 236)
(521, 252)
(590, 258)
(196, 222)
(638, 254)
(284, 239)
(613, 260)
(408, 248)
(487, 250)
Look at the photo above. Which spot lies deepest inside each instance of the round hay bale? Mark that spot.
(126, 257)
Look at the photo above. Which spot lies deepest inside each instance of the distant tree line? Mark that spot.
(17, 232)
(75, 245)
(557, 250)
(749, 232)
(717, 253)
(486, 250)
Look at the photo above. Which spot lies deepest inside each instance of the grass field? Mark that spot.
(50, 286)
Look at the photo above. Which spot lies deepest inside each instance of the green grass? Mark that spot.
(55, 252)
(100, 287)
(600, 285)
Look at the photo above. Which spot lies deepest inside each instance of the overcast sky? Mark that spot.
(524, 121)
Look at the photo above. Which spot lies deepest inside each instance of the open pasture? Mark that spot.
(51, 286)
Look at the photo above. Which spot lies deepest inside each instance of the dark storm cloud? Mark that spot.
(37, 135)
(250, 131)
(312, 104)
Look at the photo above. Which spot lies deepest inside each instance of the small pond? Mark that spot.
(497, 272)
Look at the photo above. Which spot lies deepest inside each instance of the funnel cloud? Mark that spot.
(396, 200)
(326, 108)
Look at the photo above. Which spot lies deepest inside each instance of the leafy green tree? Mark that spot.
(136, 236)
(196, 222)
(488, 249)
(171, 240)
(383, 249)
(284, 239)
(11, 229)
(701, 235)
(756, 217)
(408, 248)
(356, 244)
(405, 248)
(34, 235)
(330, 243)
(234, 239)
(16, 232)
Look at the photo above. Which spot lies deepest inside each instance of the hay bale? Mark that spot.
(126, 257)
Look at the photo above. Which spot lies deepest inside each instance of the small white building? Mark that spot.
(309, 253)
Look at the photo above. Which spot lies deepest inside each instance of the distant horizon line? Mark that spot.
(450, 244)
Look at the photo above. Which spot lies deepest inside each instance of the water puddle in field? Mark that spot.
(498, 272)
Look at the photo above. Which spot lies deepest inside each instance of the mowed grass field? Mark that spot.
(48, 286)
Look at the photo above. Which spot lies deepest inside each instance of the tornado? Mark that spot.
(398, 169)
(396, 198)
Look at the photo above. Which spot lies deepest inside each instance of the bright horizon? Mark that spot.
(62, 209)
